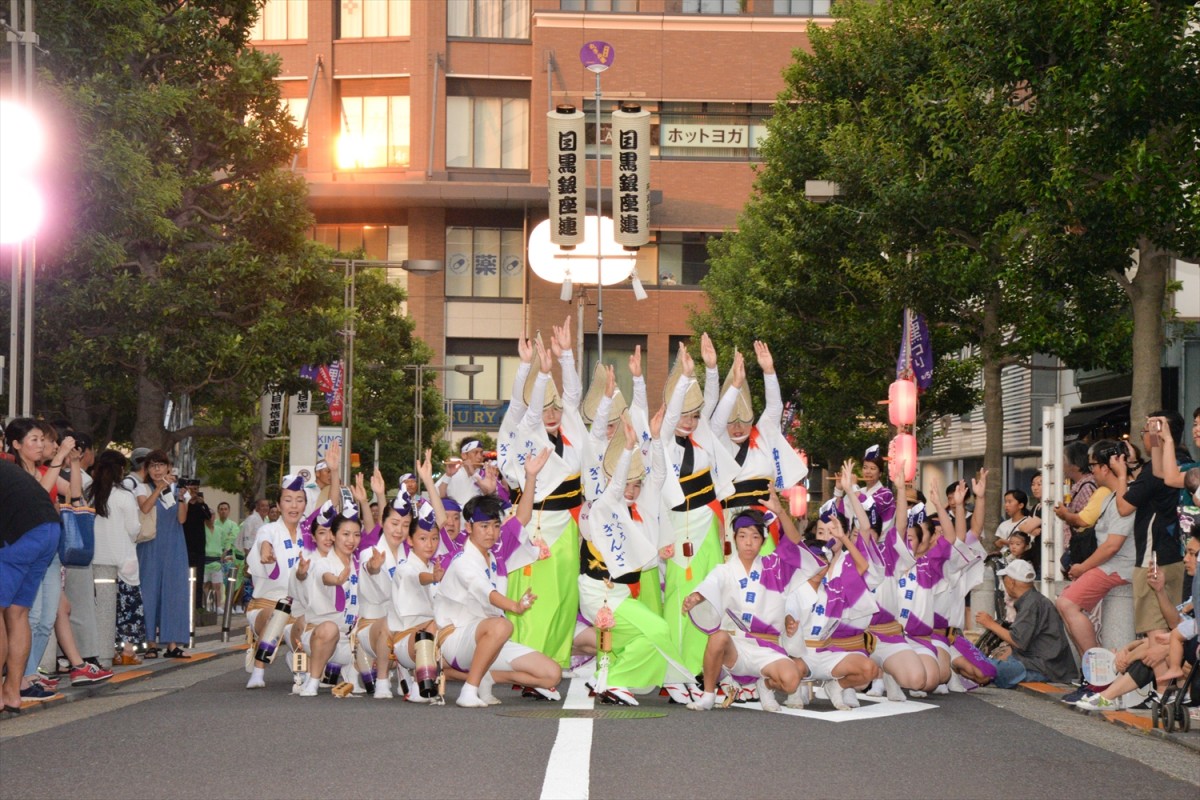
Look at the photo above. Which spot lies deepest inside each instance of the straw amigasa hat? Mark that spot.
(693, 400)
(595, 393)
(552, 396)
(616, 446)
(743, 409)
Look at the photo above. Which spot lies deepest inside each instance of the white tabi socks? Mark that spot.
(469, 697)
(705, 703)
(257, 678)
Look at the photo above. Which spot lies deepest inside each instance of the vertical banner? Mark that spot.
(565, 162)
(272, 411)
(916, 350)
(631, 175)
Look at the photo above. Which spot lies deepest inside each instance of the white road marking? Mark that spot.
(568, 770)
(871, 708)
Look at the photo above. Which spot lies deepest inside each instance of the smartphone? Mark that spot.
(187, 497)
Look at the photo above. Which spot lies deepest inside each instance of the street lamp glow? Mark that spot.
(554, 264)
(22, 140)
(21, 209)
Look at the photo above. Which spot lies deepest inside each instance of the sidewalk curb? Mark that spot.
(130, 675)
(1131, 722)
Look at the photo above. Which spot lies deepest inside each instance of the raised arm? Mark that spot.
(537, 398)
(860, 561)
(772, 415)
(639, 382)
(333, 457)
(785, 520)
(600, 423)
(979, 489)
(712, 378)
(1163, 457)
(846, 484)
(724, 409)
(425, 473)
(675, 401)
(516, 403)
(572, 386)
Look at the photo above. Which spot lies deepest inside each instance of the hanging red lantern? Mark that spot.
(902, 450)
(798, 501)
(902, 402)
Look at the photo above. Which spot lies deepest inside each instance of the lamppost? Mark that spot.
(419, 371)
(350, 265)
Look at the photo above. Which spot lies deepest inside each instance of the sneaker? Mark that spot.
(1071, 698)
(35, 691)
(87, 674)
(49, 684)
(618, 696)
(1096, 702)
(678, 693)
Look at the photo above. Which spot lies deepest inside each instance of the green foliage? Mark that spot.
(188, 269)
(997, 162)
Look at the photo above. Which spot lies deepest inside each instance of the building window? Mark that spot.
(711, 7)
(487, 132)
(280, 20)
(711, 130)
(617, 350)
(495, 383)
(616, 6)
(488, 19)
(295, 106)
(363, 19)
(802, 8)
(683, 257)
(377, 242)
(484, 262)
(375, 133)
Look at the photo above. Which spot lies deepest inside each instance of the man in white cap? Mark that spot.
(1038, 645)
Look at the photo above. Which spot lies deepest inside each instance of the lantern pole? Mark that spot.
(599, 240)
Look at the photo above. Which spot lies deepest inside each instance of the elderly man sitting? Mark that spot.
(1039, 650)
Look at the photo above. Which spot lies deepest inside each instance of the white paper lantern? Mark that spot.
(565, 166)
(631, 175)
(581, 265)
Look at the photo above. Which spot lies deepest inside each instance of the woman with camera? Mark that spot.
(163, 560)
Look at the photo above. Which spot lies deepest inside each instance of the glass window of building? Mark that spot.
(725, 131)
(488, 19)
(377, 242)
(711, 7)
(484, 262)
(361, 19)
(375, 133)
(616, 6)
(499, 361)
(280, 20)
(683, 257)
(487, 124)
(802, 8)
(617, 350)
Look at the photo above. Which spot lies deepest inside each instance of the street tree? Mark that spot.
(930, 153)
(187, 268)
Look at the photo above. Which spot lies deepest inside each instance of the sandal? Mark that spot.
(175, 652)
(151, 652)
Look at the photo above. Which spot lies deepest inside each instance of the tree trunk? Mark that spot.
(148, 428)
(993, 421)
(1147, 296)
(258, 467)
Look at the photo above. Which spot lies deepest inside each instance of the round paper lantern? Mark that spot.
(903, 450)
(902, 402)
(798, 501)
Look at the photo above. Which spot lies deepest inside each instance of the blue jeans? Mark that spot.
(1010, 672)
(42, 614)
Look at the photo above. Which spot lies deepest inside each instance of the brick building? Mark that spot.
(426, 140)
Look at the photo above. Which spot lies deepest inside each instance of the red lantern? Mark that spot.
(798, 501)
(903, 450)
(902, 402)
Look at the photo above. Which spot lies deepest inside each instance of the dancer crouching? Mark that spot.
(469, 609)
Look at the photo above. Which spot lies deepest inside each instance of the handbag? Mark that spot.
(149, 524)
(77, 545)
(1082, 545)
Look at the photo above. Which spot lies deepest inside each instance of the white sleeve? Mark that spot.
(712, 389)
(639, 395)
(572, 386)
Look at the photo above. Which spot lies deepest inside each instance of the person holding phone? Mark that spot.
(1155, 507)
(163, 561)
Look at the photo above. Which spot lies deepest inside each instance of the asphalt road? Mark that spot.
(196, 733)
